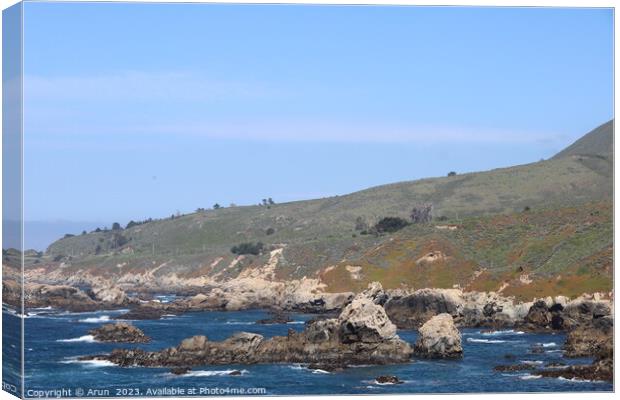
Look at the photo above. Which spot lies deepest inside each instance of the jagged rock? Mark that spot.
(143, 313)
(195, 343)
(364, 321)
(180, 370)
(276, 317)
(513, 368)
(439, 338)
(323, 342)
(539, 315)
(388, 380)
(413, 310)
(374, 293)
(58, 296)
(111, 295)
(590, 340)
(120, 332)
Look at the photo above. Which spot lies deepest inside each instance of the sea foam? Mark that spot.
(86, 338)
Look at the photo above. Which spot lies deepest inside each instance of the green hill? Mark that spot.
(322, 232)
(598, 142)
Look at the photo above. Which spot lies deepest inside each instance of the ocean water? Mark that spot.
(54, 340)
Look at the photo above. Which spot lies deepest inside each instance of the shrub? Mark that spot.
(116, 226)
(390, 224)
(422, 214)
(248, 248)
(452, 173)
(216, 206)
(360, 224)
(270, 231)
(68, 235)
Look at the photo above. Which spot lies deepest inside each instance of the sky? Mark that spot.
(142, 110)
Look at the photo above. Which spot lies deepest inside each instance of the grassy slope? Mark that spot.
(599, 141)
(320, 233)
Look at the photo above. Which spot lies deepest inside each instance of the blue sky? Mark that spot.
(140, 110)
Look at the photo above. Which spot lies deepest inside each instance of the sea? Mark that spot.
(54, 340)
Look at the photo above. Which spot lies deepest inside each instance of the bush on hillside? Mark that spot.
(390, 224)
(248, 248)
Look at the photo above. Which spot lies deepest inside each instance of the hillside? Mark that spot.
(598, 142)
(317, 235)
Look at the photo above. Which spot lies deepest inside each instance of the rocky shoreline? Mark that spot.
(347, 338)
(362, 334)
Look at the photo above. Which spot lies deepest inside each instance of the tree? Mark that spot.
(422, 214)
(98, 230)
(390, 224)
(116, 226)
(131, 224)
(452, 173)
(270, 231)
(68, 235)
(83, 232)
(216, 206)
(270, 201)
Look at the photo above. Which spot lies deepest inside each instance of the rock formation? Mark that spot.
(362, 334)
(120, 332)
(439, 338)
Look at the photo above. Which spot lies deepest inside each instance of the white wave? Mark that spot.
(168, 315)
(530, 362)
(527, 377)
(239, 323)
(554, 351)
(88, 363)
(297, 366)
(94, 320)
(473, 340)
(504, 332)
(320, 371)
(210, 373)
(296, 322)
(87, 339)
(551, 344)
(579, 380)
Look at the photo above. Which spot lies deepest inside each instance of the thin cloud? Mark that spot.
(133, 104)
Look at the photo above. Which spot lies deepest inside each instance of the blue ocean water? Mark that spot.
(54, 341)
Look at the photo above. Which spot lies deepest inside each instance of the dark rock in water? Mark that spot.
(601, 370)
(439, 338)
(594, 339)
(512, 368)
(510, 357)
(327, 367)
(590, 340)
(388, 380)
(142, 313)
(180, 370)
(324, 342)
(235, 372)
(275, 318)
(556, 365)
(537, 349)
(121, 332)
